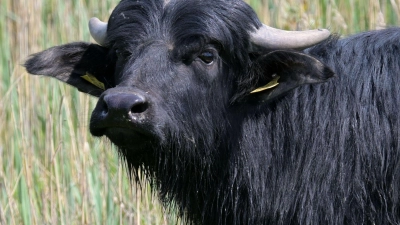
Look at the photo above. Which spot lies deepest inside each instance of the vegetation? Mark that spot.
(51, 170)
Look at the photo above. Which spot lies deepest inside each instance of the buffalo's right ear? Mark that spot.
(275, 74)
(82, 65)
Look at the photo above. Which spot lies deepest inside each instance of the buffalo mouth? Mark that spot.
(127, 139)
(125, 135)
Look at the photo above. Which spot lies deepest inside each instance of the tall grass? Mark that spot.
(51, 170)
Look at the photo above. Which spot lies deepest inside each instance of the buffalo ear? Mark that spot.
(82, 65)
(278, 72)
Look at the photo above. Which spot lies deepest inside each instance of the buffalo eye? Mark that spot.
(207, 56)
(118, 52)
(121, 53)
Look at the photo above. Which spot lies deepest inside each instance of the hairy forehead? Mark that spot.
(175, 20)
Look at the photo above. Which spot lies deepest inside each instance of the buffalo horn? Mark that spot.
(98, 30)
(270, 37)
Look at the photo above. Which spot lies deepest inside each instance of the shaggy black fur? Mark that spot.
(310, 154)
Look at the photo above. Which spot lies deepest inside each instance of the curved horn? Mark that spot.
(270, 37)
(98, 30)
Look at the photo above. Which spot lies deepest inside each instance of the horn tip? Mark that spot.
(325, 33)
(324, 30)
(93, 22)
(98, 30)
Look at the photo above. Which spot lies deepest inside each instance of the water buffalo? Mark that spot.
(235, 122)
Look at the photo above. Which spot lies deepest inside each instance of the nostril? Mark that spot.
(139, 107)
(104, 108)
(101, 108)
(121, 104)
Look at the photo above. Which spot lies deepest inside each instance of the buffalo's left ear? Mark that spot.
(88, 67)
(278, 72)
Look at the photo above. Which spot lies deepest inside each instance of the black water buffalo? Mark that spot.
(235, 122)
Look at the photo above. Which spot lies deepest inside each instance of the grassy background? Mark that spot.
(51, 170)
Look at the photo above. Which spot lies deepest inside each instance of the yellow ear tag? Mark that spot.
(273, 83)
(93, 80)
